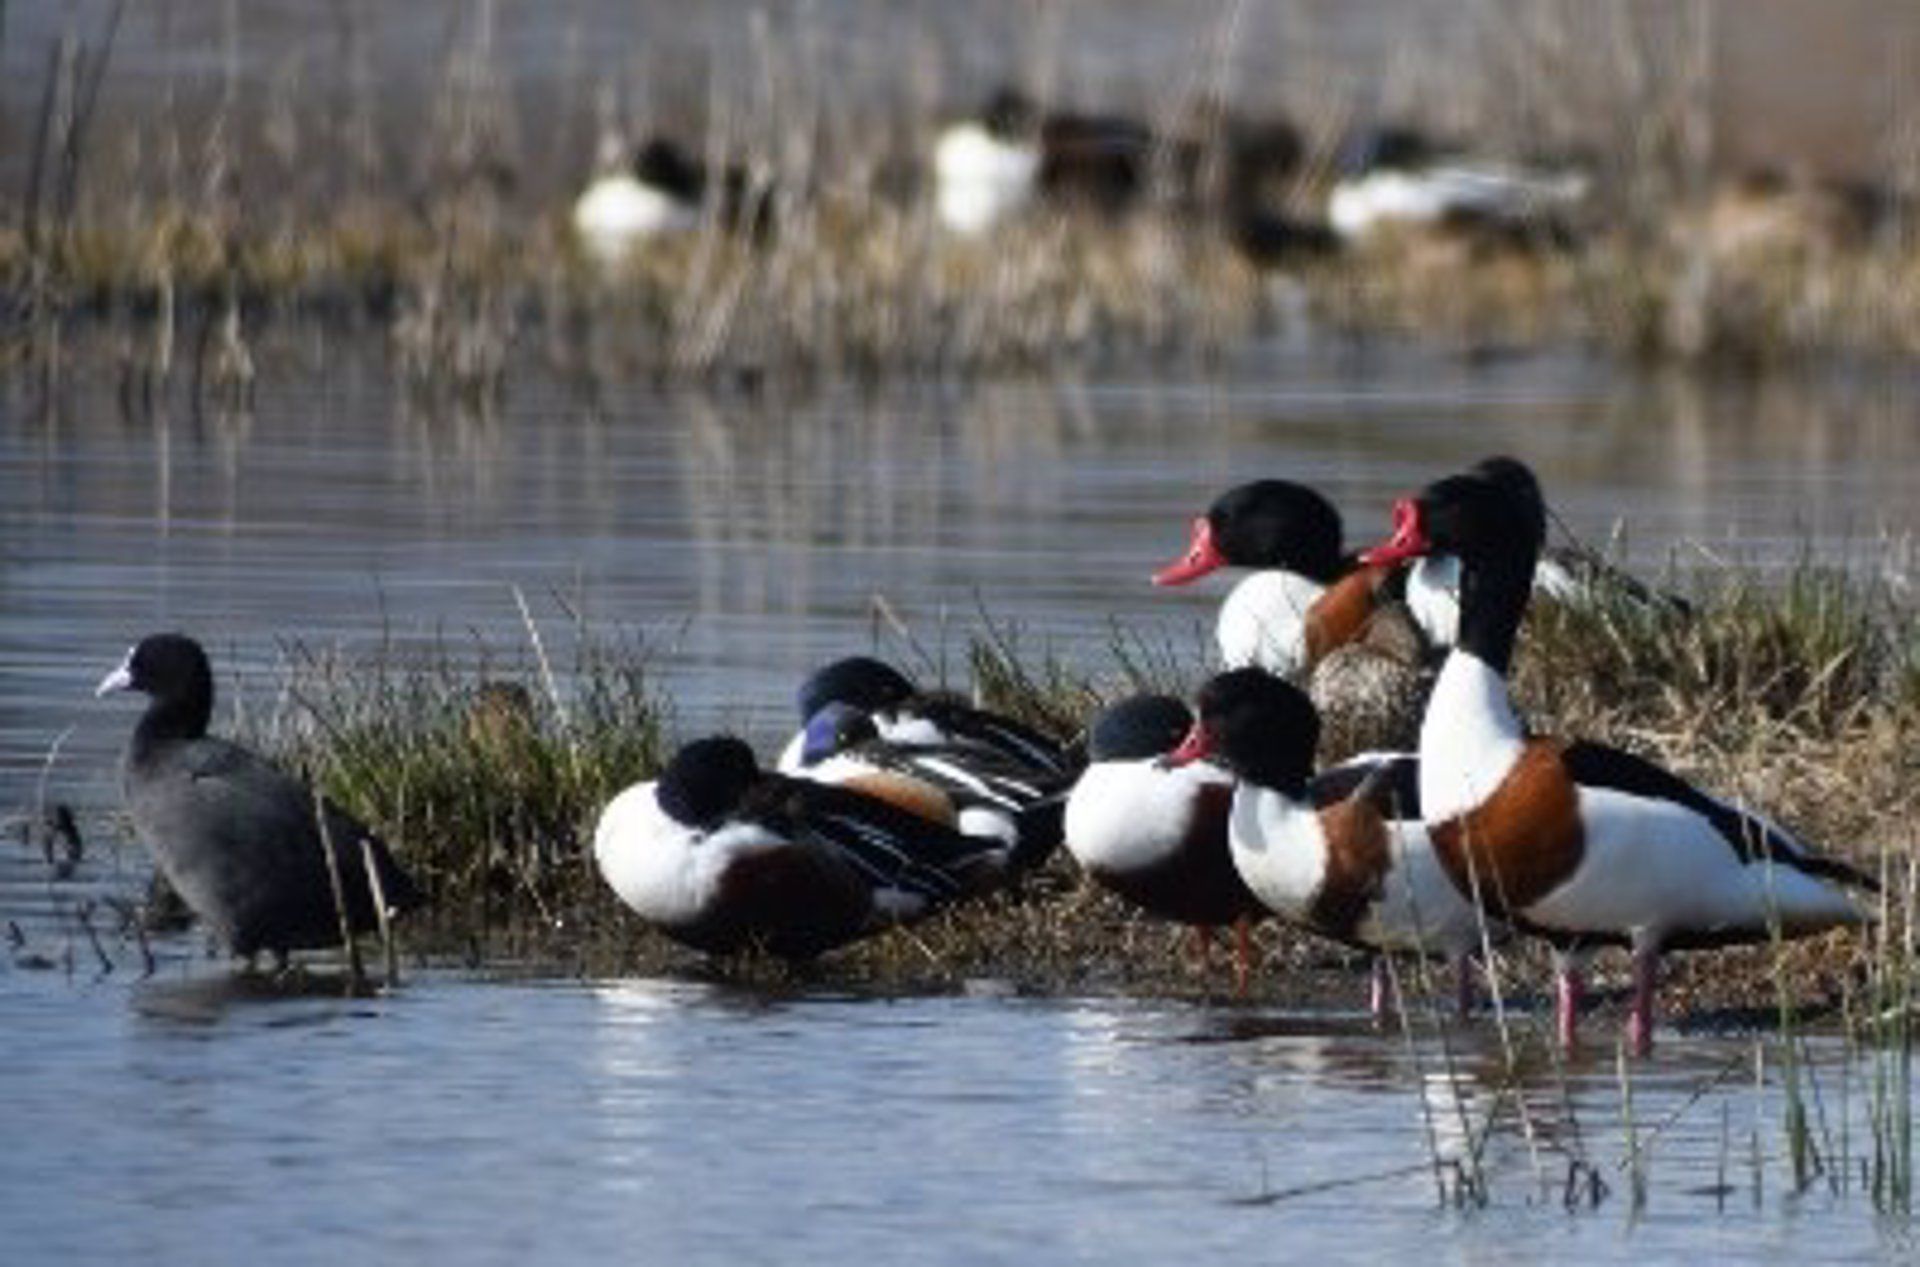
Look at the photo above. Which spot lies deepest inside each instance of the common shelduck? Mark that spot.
(1572, 576)
(244, 844)
(1303, 598)
(1579, 842)
(1343, 854)
(1399, 178)
(978, 790)
(1153, 832)
(905, 714)
(723, 856)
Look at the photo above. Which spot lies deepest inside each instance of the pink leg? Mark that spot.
(1572, 995)
(1377, 992)
(1646, 975)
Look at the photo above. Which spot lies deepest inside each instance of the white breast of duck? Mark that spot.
(1350, 871)
(618, 211)
(665, 871)
(982, 178)
(1469, 738)
(1128, 817)
(1263, 622)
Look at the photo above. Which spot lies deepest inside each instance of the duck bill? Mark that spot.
(121, 679)
(1202, 556)
(1409, 540)
(1195, 747)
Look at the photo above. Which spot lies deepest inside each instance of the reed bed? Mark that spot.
(195, 230)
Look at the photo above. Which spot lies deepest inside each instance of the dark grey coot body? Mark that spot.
(237, 837)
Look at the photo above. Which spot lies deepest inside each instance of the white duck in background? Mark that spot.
(1397, 178)
(991, 166)
(655, 192)
(986, 167)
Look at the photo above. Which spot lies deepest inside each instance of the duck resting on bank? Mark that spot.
(723, 857)
(975, 789)
(1155, 833)
(904, 714)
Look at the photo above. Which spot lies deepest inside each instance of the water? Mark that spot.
(495, 1121)
(747, 538)
(182, 1116)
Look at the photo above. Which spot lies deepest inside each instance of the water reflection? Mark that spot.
(750, 532)
(192, 1117)
(212, 993)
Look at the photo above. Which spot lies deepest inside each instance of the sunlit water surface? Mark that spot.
(645, 1121)
(744, 538)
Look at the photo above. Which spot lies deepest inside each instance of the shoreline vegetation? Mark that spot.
(1799, 696)
(188, 243)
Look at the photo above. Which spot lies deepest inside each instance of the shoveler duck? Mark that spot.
(978, 791)
(1310, 612)
(1343, 854)
(904, 714)
(243, 843)
(1396, 177)
(1574, 576)
(723, 856)
(1576, 841)
(661, 191)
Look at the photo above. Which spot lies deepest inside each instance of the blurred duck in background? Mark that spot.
(1399, 179)
(660, 191)
(994, 164)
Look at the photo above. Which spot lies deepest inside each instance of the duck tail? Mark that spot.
(1040, 829)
